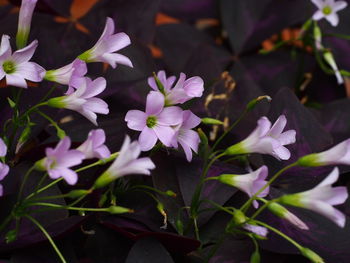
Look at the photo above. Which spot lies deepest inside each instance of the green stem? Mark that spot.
(24, 181)
(61, 133)
(262, 208)
(5, 222)
(48, 237)
(34, 108)
(69, 207)
(198, 190)
(229, 129)
(280, 234)
(246, 205)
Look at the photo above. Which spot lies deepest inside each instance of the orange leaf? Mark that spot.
(82, 28)
(105, 67)
(165, 19)
(80, 8)
(14, 10)
(267, 45)
(156, 52)
(60, 19)
(4, 2)
(286, 34)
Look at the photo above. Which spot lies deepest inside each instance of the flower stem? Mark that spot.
(292, 241)
(69, 207)
(47, 235)
(229, 129)
(25, 178)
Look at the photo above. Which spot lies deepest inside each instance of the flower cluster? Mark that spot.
(162, 119)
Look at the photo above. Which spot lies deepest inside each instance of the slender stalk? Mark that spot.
(47, 235)
(53, 123)
(68, 207)
(280, 234)
(229, 129)
(24, 181)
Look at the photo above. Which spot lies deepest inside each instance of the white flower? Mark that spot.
(321, 198)
(266, 140)
(328, 9)
(126, 163)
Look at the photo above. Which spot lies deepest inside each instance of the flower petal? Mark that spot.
(333, 19)
(31, 71)
(26, 53)
(339, 5)
(16, 80)
(165, 134)
(114, 58)
(136, 120)
(170, 116)
(318, 15)
(147, 139)
(154, 103)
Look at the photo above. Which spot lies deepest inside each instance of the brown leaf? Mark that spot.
(80, 8)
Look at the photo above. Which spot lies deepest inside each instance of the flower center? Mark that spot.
(151, 121)
(327, 10)
(9, 67)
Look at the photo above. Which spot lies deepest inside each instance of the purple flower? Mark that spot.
(282, 212)
(259, 230)
(183, 90)
(155, 123)
(15, 67)
(103, 50)
(321, 199)
(126, 163)
(58, 161)
(249, 183)
(339, 154)
(24, 21)
(94, 146)
(4, 170)
(187, 138)
(3, 148)
(328, 9)
(67, 74)
(266, 140)
(83, 99)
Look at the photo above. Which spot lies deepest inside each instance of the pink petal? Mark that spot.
(189, 120)
(288, 137)
(259, 230)
(318, 3)
(31, 71)
(170, 116)
(70, 158)
(281, 153)
(4, 170)
(337, 6)
(333, 19)
(26, 53)
(152, 83)
(117, 42)
(264, 126)
(187, 150)
(108, 30)
(114, 58)
(318, 15)
(154, 103)
(95, 87)
(278, 126)
(147, 139)
(103, 152)
(5, 48)
(16, 80)
(194, 87)
(136, 120)
(3, 148)
(165, 134)
(69, 176)
(96, 105)
(189, 138)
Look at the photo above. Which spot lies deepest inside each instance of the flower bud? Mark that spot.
(24, 21)
(119, 210)
(308, 253)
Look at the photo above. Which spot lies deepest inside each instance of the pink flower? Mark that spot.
(15, 67)
(67, 74)
(103, 50)
(155, 123)
(58, 161)
(266, 139)
(94, 146)
(339, 154)
(321, 198)
(83, 99)
(24, 21)
(328, 9)
(3, 148)
(188, 139)
(249, 183)
(126, 163)
(259, 230)
(4, 170)
(183, 90)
